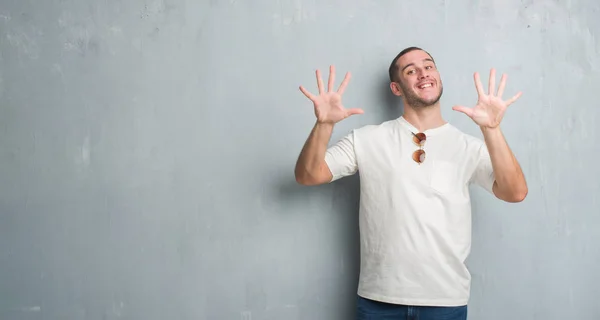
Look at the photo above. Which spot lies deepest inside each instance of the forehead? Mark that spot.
(414, 57)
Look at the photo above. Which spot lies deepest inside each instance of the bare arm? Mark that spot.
(510, 184)
(311, 168)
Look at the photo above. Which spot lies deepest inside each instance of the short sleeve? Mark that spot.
(483, 175)
(341, 158)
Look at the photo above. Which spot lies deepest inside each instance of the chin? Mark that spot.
(430, 97)
(433, 98)
(424, 102)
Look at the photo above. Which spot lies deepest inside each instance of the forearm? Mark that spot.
(311, 167)
(510, 182)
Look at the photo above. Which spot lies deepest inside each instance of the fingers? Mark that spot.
(478, 84)
(501, 88)
(514, 98)
(330, 83)
(320, 82)
(331, 78)
(355, 111)
(344, 83)
(502, 85)
(492, 82)
(307, 94)
(465, 110)
(492, 85)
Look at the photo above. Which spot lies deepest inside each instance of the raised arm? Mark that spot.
(311, 168)
(510, 184)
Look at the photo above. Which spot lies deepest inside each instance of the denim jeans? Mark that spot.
(367, 309)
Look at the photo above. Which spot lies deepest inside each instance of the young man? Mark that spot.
(415, 210)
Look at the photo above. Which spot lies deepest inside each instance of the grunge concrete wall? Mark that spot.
(147, 152)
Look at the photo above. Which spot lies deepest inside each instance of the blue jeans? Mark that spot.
(367, 309)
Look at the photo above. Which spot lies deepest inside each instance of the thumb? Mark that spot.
(465, 110)
(355, 111)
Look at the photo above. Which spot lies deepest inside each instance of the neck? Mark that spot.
(424, 118)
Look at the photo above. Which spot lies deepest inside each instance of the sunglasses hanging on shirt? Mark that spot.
(419, 154)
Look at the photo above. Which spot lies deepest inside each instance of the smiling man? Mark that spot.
(415, 172)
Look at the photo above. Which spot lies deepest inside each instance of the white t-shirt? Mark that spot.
(414, 219)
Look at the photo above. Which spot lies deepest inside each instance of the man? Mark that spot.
(415, 210)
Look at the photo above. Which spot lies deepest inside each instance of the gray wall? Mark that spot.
(147, 152)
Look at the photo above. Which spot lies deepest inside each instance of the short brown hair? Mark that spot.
(394, 68)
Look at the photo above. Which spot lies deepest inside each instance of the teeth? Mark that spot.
(427, 85)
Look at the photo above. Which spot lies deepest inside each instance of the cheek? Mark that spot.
(407, 85)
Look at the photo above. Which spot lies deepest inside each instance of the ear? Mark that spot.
(396, 90)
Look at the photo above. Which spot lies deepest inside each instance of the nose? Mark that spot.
(422, 74)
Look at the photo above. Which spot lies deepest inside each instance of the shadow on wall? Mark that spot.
(344, 197)
(341, 205)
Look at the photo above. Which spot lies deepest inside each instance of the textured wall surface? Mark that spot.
(147, 152)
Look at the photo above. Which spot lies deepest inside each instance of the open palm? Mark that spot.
(328, 104)
(490, 108)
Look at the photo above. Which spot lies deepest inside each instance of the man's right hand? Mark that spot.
(328, 104)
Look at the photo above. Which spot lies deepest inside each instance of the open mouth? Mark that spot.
(425, 85)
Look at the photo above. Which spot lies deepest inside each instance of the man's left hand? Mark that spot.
(490, 108)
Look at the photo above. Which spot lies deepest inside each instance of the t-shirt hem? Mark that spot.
(415, 302)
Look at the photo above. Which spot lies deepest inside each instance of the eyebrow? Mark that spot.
(412, 64)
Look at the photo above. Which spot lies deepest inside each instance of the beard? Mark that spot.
(413, 100)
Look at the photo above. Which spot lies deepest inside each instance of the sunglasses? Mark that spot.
(419, 154)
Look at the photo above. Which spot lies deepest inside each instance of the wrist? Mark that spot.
(489, 129)
(491, 133)
(324, 124)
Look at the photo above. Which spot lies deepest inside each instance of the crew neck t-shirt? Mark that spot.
(414, 219)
